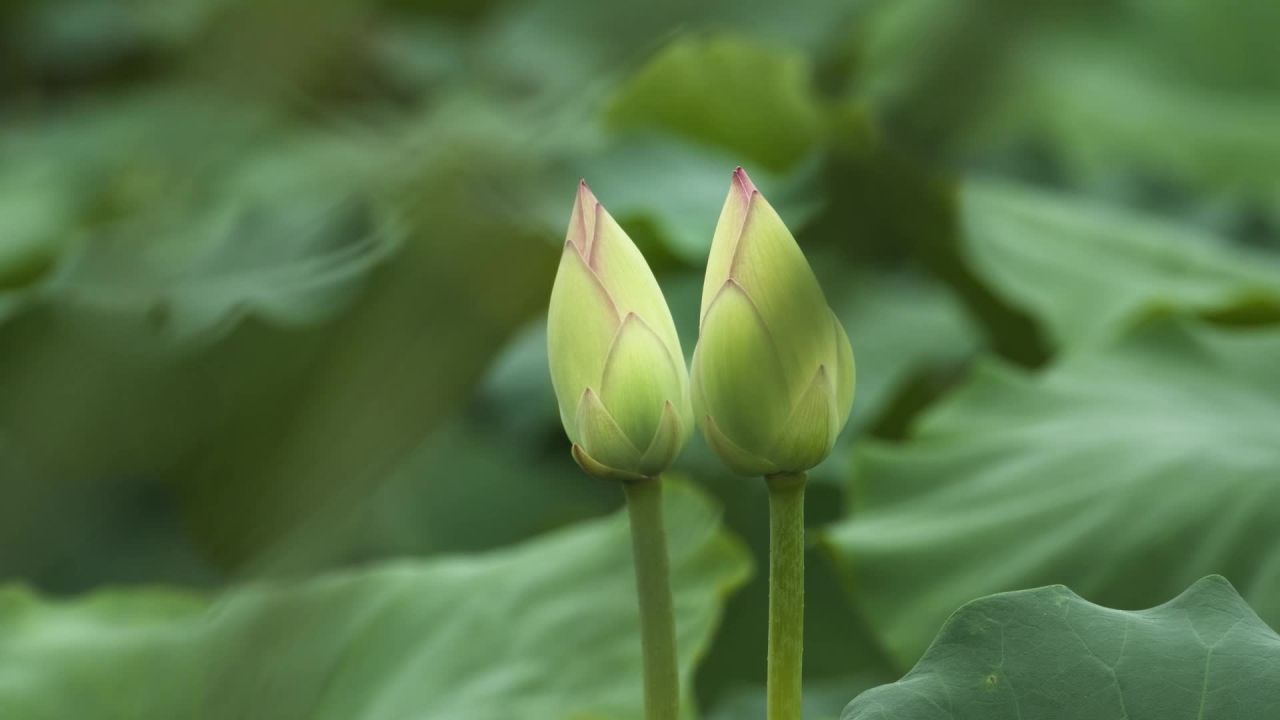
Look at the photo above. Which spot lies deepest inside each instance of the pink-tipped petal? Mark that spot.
(743, 182)
(724, 244)
(582, 223)
(598, 220)
(772, 270)
(625, 274)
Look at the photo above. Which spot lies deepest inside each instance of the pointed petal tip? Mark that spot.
(583, 198)
(597, 221)
(731, 284)
(601, 438)
(668, 440)
(628, 319)
(743, 182)
(582, 221)
(710, 302)
(587, 203)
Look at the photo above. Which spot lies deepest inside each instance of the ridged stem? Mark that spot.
(653, 587)
(786, 595)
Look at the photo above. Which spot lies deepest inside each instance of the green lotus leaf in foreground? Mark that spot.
(1048, 654)
(545, 629)
(1124, 472)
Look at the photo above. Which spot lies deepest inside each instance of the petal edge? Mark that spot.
(581, 323)
(739, 378)
(600, 436)
(739, 460)
(667, 442)
(809, 432)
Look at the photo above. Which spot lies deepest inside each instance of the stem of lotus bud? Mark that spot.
(653, 585)
(786, 595)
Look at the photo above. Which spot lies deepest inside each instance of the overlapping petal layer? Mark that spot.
(581, 323)
(616, 362)
(773, 371)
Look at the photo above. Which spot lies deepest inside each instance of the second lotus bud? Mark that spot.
(773, 371)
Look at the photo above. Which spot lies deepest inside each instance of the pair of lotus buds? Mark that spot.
(772, 376)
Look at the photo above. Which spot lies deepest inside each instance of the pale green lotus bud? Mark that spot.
(773, 370)
(616, 361)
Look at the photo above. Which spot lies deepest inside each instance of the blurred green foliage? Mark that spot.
(1132, 469)
(375, 642)
(272, 276)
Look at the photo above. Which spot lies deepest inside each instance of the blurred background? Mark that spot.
(273, 279)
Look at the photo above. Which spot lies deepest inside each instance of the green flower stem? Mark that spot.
(653, 585)
(786, 594)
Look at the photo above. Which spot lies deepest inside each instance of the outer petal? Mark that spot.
(601, 437)
(809, 433)
(739, 461)
(627, 277)
(581, 323)
(846, 374)
(640, 378)
(725, 241)
(770, 267)
(582, 221)
(593, 467)
(738, 378)
(667, 442)
(700, 405)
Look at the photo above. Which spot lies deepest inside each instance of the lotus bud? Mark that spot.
(616, 362)
(773, 370)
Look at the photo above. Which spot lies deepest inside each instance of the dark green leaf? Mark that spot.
(1049, 654)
